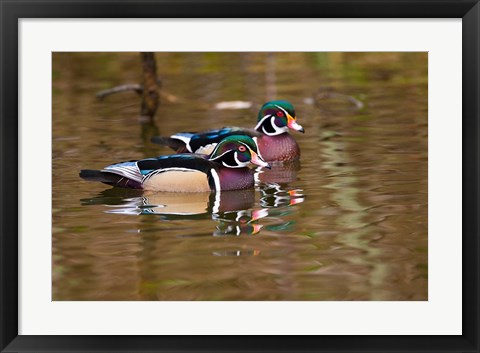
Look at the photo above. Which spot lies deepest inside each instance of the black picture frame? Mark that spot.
(12, 11)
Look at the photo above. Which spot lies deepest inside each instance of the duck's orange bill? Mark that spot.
(257, 160)
(292, 124)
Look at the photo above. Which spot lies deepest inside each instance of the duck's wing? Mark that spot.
(133, 174)
(180, 172)
(183, 160)
(128, 170)
(205, 142)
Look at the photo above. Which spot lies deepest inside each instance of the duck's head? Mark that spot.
(237, 151)
(276, 117)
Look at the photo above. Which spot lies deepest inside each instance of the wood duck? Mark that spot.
(270, 133)
(226, 168)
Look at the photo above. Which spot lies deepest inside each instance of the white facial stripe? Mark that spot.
(235, 156)
(267, 133)
(224, 153)
(215, 149)
(239, 163)
(272, 121)
(217, 146)
(278, 130)
(286, 115)
(279, 107)
(261, 121)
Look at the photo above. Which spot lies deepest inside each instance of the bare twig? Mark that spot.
(150, 89)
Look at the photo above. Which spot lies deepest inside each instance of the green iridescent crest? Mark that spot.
(239, 143)
(238, 151)
(234, 143)
(272, 107)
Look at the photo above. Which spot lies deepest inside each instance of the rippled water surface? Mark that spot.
(347, 223)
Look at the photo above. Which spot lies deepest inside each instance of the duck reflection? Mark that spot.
(235, 212)
(172, 205)
(274, 196)
(239, 222)
(279, 173)
(232, 210)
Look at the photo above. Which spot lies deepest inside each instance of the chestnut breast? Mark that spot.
(236, 178)
(278, 148)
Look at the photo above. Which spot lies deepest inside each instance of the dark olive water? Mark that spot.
(349, 223)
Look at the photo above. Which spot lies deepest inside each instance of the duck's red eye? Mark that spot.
(280, 114)
(242, 149)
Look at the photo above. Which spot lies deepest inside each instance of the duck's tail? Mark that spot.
(109, 178)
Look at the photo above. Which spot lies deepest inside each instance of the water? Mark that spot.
(348, 223)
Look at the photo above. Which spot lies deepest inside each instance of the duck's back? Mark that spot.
(202, 142)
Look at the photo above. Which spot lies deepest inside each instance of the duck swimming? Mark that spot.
(226, 168)
(274, 120)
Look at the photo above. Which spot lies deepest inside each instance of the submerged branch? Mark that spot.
(122, 88)
(338, 96)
